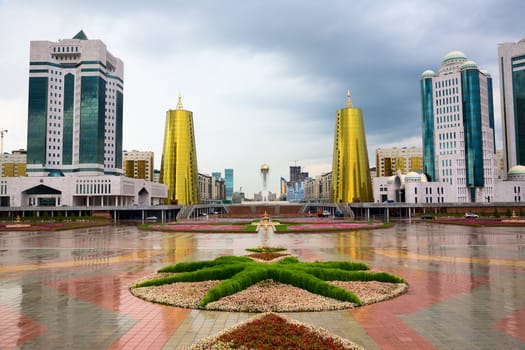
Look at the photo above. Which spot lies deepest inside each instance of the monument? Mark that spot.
(265, 171)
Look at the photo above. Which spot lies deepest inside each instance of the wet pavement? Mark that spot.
(69, 290)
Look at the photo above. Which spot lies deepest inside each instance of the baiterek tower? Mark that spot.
(179, 158)
(350, 169)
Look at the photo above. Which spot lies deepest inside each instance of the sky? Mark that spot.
(264, 79)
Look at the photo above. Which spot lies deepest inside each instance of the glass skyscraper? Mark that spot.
(350, 168)
(458, 128)
(512, 82)
(228, 176)
(179, 158)
(75, 108)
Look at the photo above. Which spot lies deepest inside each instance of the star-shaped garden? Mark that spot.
(238, 280)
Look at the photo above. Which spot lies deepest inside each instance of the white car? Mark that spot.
(471, 216)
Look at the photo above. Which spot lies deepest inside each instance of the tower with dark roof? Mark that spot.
(75, 108)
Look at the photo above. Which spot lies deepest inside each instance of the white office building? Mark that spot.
(512, 81)
(458, 130)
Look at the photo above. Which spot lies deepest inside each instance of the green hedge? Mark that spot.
(197, 265)
(235, 284)
(298, 279)
(207, 274)
(343, 265)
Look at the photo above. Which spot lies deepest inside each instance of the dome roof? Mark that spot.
(517, 170)
(265, 168)
(454, 55)
(413, 175)
(390, 180)
(428, 74)
(469, 65)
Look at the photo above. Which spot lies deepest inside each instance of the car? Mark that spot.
(469, 215)
(426, 217)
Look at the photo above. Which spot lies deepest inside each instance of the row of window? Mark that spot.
(446, 83)
(66, 58)
(447, 92)
(447, 109)
(65, 49)
(447, 100)
(93, 188)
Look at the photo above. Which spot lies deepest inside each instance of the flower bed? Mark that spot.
(332, 226)
(271, 331)
(251, 286)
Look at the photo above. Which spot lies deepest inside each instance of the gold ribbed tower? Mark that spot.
(350, 168)
(179, 157)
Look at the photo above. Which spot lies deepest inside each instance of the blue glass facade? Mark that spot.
(491, 111)
(37, 121)
(228, 176)
(69, 106)
(428, 128)
(471, 100)
(92, 120)
(518, 87)
(118, 130)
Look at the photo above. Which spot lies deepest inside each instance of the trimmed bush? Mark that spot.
(206, 274)
(197, 265)
(266, 249)
(236, 283)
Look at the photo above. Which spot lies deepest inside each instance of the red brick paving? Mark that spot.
(13, 336)
(381, 321)
(514, 324)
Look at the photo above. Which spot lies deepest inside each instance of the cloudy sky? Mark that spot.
(264, 79)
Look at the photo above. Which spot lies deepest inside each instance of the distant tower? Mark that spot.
(228, 177)
(350, 168)
(512, 82)
(179, 157)
(75, 109)
(265, 170)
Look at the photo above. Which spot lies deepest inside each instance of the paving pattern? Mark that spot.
(70, 289)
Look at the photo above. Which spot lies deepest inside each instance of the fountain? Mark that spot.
(18, 223)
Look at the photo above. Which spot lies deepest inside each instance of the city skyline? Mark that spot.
(264, 80)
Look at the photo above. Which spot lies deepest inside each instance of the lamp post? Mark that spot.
(2, 132)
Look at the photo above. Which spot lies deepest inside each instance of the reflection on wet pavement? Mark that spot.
(70, 289)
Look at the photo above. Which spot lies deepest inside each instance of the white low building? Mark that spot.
(414, 188)
(102, 190)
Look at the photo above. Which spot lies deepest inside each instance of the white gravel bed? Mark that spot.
(268, 296)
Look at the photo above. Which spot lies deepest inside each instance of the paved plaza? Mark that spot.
(70, 289)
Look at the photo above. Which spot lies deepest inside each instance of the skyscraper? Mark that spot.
(350, 167)
(512, 82)
(228, 176)
(75, 108)
(179, 157)
(458, 128)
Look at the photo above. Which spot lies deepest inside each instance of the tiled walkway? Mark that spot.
(70, 290)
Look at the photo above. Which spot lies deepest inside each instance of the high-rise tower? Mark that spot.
(228, 176)
(75, 108)
(179, 157)
(350, 167)
(458, 128)
(512, 76)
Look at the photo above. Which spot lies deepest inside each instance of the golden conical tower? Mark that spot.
(179, 158)
(350, 168)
